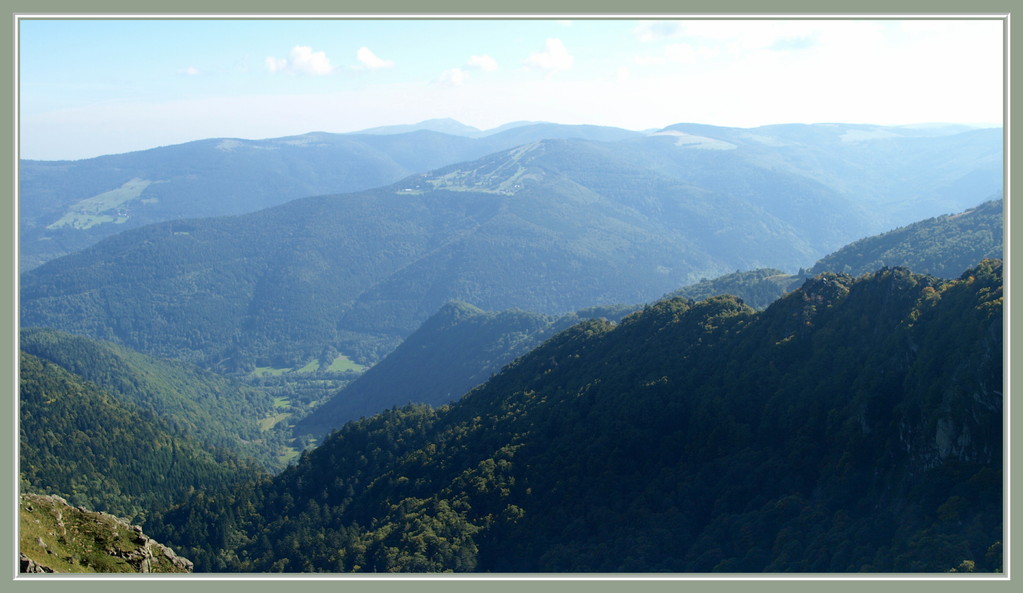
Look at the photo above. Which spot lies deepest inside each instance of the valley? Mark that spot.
(539, 349)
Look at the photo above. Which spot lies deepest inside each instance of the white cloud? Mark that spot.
(371, 61)
(484, 62)
(454, 77)
(303, 60)
(189, 71)
(554, 57)
(276, 64)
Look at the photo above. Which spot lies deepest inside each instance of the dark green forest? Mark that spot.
(757, 288)
(444, 374)
(942, 246)
(80, 442)
(855, 425)
(218, 411)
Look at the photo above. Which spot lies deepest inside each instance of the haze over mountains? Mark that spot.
(551, 226)
(461, 346)
(68, 205)
(552, 296)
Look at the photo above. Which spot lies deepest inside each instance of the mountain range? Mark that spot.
(68, 205)
(822, 394)
(855, 425)
(552, 226)
(461, 345)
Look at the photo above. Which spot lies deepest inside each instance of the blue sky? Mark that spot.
(91, 86)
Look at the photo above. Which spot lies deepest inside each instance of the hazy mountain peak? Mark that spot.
(511, 125)
(444, 125)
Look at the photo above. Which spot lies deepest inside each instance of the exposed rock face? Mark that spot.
(56, 537)
(29, 565)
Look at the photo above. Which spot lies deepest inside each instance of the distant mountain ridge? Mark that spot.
(443, 125)
(447, 126)
(69, 205)
(551, 226)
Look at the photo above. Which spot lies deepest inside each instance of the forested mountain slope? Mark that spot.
(941, 246)
(217, 411)
(757, 288)
(461, 346)
(82, 443)
(456, 349)
(853, 425)
(553, 226)
(68, 205)
(911, 173)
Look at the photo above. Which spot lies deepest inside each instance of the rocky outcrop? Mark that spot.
(57, 537)
(28, 565)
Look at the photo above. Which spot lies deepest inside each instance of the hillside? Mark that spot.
(757, 288)
(909, 173)
(552, 227)
(456, 349)
(941, 246)
(56, 537)
(66, 206)
(69, 205)
(79, 441)
(461, 346)
(217, 411)
(855, 425)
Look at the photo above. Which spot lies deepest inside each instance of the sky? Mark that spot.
(89, 87)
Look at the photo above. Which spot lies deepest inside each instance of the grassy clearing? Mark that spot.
(269, 371)
(288, 455)
(343, 364)
(103, 207)
(271, 421)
